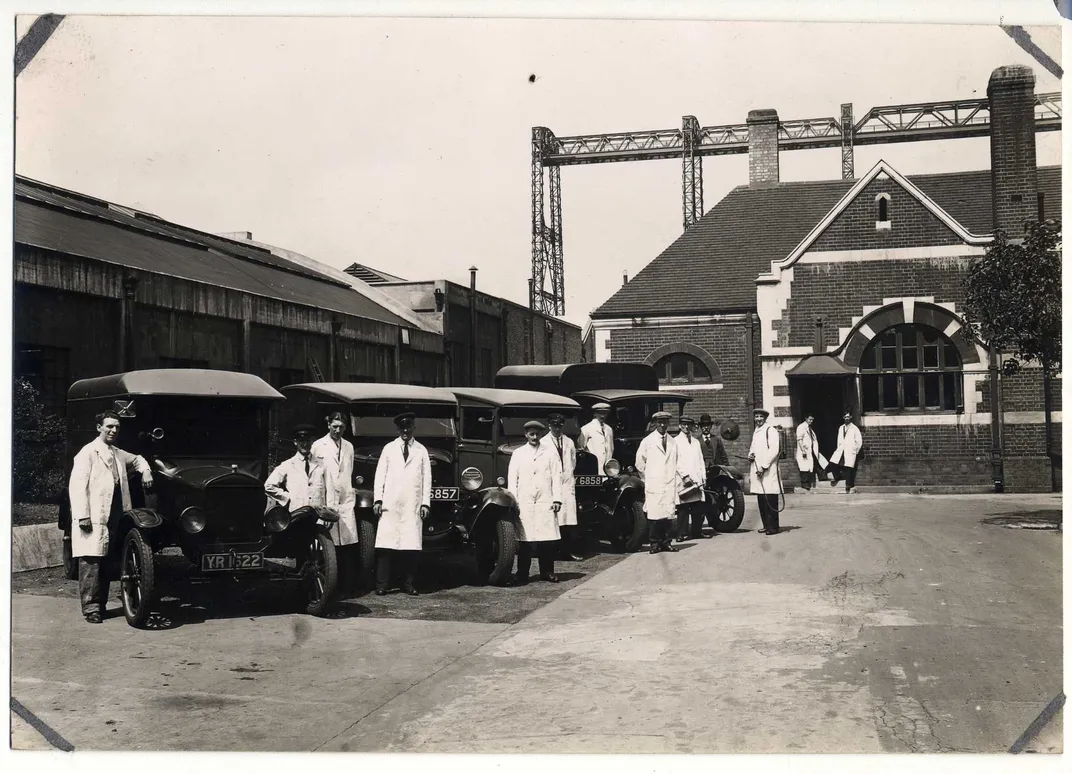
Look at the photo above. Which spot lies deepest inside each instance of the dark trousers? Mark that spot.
(768, 511)
(544, 551)
(404, 560)
(659, 532)
(571, 542)
(846, 473)
(807, 479)
(92, 585)
(693, 512)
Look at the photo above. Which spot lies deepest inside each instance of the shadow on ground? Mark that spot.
(1044, 520)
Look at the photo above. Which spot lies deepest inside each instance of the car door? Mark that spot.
(476, 445)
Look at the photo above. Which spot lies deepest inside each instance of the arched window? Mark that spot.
(911, 368)
(682, 368)
(883, 209)
(882, 214)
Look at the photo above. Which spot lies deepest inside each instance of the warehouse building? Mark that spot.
(820, 296)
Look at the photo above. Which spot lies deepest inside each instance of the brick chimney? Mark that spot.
(762, 147)
(1013, 174)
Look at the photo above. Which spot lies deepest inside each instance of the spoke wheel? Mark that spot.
(725, 508)
(320, 573)
(137, 578)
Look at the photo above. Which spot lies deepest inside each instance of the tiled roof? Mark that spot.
(736, 240)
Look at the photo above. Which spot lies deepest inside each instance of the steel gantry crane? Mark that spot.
(894, 123)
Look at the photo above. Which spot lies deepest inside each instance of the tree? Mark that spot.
(1014, 303)
(36, 447)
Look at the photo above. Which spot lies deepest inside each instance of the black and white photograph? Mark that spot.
(369, 394)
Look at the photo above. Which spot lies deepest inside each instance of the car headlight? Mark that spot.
(277, 519)
(612, 468)
(359, 480)
(472, 478)
(192, 519)
(500, 481)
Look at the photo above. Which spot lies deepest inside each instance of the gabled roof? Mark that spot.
(735, 241)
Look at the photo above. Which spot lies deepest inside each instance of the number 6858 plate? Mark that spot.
(589, 480)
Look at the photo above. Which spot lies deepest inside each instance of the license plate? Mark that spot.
(589, 480)
(232, 561)
(445, 493)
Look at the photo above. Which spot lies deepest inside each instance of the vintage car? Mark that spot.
(632, 391)
(465, 514)
(205, 435)
(491, 427)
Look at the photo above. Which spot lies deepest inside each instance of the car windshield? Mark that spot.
(209, 427)
(378, 421)
(633, 417)
(512, 421)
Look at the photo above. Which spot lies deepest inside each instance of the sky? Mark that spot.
(404, 144)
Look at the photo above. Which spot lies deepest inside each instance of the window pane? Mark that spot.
(679, 369)
(928, 335)
(910, 358)
(889, 358)
(473, 428)
(869, 388)
(949, 392)
(867, 362)
(932, 390)
(911, 391)
(930, 356)
(908, 336)
(952, 357)
(700, 372)
(889, 392)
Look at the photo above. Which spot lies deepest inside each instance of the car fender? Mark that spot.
(629, 488)
(145, 518)
(724, 473)
(363, 498)
(491, 500)
(314, 512)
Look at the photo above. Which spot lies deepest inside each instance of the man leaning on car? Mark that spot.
(100, 493)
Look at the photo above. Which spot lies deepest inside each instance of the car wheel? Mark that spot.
(137, 578)
(320, 573)
(725, 508)
(366, 544)
(70, 564)
(636, 526)
(496, 552)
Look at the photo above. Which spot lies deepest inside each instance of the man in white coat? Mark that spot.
(299, 481)
(656, 461)
(336, 456)
(809, 459)
(535, 479)
(564, 448)
(692, 472)
(849, 443)
(597, 437)
(402, 501)
(765, 481)
(100, 493)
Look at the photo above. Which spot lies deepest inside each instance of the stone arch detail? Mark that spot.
(699, 353)
(922, 313)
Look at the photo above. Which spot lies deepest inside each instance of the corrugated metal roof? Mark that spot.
(370, 275)
(736, 240)
(89, 236)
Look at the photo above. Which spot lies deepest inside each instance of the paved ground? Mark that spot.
(872, 624)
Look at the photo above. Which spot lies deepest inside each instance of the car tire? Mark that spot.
(366, 546)
(637, 524)
(320, 573)
(70, 563)
(496, 552)
(725, 509)
(137, 578)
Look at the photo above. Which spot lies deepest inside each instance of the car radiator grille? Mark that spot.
(235, 514)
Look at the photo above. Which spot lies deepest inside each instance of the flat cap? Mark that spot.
(705, 419)
(300, 430)
(686, 421)
(762, 411)
(532, 424)
(661, 415)
(556, 419)
(601, 407)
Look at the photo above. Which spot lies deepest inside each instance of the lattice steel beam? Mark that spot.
(555, 268)
(539, 260)
(691, 172)
(848, 164)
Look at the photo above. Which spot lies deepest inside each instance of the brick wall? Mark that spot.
(763, 147)
(926, 456)
(1023, 391)
(839, 291)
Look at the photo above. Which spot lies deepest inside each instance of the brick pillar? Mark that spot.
(762, 147)
(1013, 175)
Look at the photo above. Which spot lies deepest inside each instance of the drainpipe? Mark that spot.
(333, 351)
(996, 409)
(127, 346)
(472, 327)
(749, 356)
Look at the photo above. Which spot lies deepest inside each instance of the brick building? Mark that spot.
(816, 296)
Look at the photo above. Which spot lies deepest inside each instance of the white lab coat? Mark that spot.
(659, 469)
(91, 489)
(289, 485)
(402, 485)
(691, 463)
(849, 442)
(763, 473)
(338, 464)
(597, 439)
(567, 516)
(535, 478)
(808, 449)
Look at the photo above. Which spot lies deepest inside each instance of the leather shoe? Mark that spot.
(654, 549)
(521, 580)
(550, 577)
(571, 557)
(94, 618)
(381, 592)
(773, 531)
(669, 547)
(409, 590)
